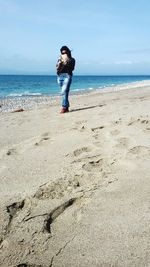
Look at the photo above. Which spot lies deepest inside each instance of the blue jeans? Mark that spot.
(64, 81)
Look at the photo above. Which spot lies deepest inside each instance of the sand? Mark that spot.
(75, 187)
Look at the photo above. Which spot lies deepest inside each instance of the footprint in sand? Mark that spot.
(140, 152)
(11, 151)
(44, 137)
(96, 129)
(95, 171)
(94, 165)
(139, 121)
(96, 136)
(57, 189)
(27, 144)
(147, 129)
(41, 141)
(81, 129)
(81, 150)
(80, 126)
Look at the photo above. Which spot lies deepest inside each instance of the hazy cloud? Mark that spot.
(140, 50)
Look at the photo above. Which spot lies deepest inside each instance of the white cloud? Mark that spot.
(123, 62)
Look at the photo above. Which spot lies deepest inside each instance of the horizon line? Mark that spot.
(86, 74)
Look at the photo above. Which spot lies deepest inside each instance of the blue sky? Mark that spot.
(106, 37)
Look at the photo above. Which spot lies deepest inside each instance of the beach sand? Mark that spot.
(74, 187)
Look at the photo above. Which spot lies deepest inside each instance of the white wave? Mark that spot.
(77, 90)
(124, 86)
(35, 94)
(24, 94)
(14, 95)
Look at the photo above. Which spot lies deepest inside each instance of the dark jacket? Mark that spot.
(65, 68)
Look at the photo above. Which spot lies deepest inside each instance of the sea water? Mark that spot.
(36, 85)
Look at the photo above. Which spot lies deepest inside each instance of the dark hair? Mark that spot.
(66, 49)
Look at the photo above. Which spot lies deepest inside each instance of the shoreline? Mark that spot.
(10, 104)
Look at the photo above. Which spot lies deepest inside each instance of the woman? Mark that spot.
(65, 66)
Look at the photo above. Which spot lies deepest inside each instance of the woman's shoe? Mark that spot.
(64, 110)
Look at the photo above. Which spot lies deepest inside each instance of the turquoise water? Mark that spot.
(30, 85)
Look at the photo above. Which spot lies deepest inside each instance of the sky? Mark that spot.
(106, 37)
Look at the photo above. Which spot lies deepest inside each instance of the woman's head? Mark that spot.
(65, 50)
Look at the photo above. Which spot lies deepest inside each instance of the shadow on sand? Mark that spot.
(78, 109)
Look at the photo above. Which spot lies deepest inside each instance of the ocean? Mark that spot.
(38, 85)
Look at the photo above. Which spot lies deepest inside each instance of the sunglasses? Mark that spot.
(63, 53)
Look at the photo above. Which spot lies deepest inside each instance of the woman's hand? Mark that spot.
(64, 59)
